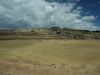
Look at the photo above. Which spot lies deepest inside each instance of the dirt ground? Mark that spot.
(50, 57)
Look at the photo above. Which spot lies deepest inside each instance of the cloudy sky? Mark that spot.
(77, 14)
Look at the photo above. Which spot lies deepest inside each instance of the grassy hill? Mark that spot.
(48, 33)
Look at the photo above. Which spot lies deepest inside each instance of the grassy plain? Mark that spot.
(50, 57)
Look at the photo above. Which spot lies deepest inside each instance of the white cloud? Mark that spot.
(39, 13)
(99, 2)
(93, 5)
(87, 12)
(88, 18)
(79, 8)
(96, 17)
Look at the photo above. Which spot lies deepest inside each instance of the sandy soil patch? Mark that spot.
(50, 57)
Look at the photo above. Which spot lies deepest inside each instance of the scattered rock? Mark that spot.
(42, 33)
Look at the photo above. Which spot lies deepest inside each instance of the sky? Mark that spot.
(75, 14)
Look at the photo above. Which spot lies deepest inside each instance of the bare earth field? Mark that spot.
(50, 57)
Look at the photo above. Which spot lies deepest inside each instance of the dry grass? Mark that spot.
(50, 57)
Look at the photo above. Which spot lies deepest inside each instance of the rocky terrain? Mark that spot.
(48, 33)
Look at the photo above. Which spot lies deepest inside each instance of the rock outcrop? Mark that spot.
(48, 33)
